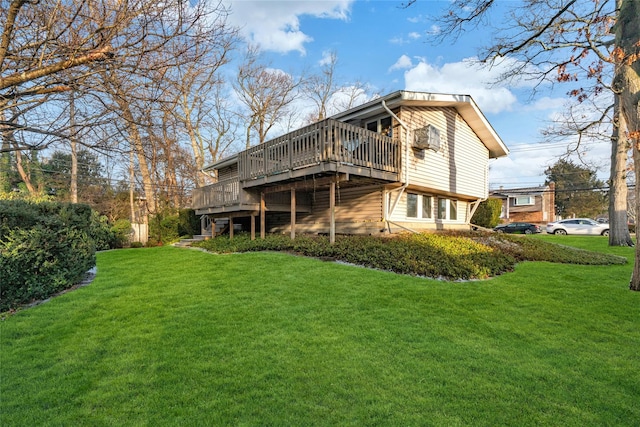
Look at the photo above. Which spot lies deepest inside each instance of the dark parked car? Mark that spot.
(518, 227)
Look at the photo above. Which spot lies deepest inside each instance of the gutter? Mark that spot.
(388, 213)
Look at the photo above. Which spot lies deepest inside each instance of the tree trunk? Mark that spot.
(5, 157)
(627, 83)
(136, 144)
(618, 221)
(24, 175)
(73, 188)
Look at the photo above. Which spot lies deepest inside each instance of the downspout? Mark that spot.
(400, 190)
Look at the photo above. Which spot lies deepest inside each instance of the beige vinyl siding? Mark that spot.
(460, 166)
(356, 208)
(352, 205)
(400, 213)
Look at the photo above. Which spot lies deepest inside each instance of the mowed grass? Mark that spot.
(168, 336)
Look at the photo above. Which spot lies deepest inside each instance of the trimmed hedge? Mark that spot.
(45, 248)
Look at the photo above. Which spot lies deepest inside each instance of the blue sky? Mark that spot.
(385, 46)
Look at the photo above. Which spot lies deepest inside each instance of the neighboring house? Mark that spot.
(531, 204)
(408, 160)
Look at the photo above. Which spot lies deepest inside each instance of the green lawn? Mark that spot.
(168, 336)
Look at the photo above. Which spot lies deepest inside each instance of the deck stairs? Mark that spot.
(222, 226)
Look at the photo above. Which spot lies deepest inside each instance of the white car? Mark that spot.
(578, 226)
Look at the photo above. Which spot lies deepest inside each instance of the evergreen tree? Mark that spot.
(578, 190)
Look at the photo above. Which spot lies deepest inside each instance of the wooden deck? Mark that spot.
(328, 147)
(328, 141)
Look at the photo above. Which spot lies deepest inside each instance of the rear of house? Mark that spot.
(406, 161)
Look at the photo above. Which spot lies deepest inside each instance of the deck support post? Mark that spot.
(213, 228)
(332, 212)
(253, 227)
(293, 213)
(231, 228)
(263, 221)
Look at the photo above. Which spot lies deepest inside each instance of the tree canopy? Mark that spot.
(579, 192)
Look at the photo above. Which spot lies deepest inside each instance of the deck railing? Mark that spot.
(325, 141)
(221, 193)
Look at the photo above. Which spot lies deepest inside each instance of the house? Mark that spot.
(530, 204)
(405, 161)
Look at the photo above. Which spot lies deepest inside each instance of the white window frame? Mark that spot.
(378, 126)
(530, 201)
(420, 211)
(450, 206)
(417, 206)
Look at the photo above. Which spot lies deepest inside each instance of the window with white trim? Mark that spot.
(427, 206)
(382, 125)
(419, 206)
(523, 201)
(412, 205)
(447, 209)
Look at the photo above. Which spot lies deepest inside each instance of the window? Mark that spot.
(383, 126)
(523, 201)
(412, 205)
(419, 206)
(442, 208)
(427, 208)
(447, 209)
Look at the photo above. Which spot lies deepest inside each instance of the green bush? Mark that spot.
(103, 233)
(488, 213)
(447, 255)
(167, 226)
(44, 248)
(122, 232)
(188, 223)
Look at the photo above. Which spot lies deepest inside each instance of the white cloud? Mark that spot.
(546, 103)
(402, 63)
(463, 77)
(326, 57)
(398, 40)
(414, 35)
(435, 29)
(275, 25)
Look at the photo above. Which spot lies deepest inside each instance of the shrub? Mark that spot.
(122, 232)
(102, 233)
(447, 255)
(488, 213)
(44, 248)
(188, 223)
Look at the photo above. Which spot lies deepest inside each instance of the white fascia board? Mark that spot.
(464, 104)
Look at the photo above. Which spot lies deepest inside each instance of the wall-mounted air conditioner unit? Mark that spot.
(426, 138)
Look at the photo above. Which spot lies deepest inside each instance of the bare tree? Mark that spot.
(141, 85)
(320, 88)
(352, 95)
(571, 42)
(266, 92)
(198, 103)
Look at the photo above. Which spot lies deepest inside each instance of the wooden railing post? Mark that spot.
(263, 222)
(293, 213)
(332, 212)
